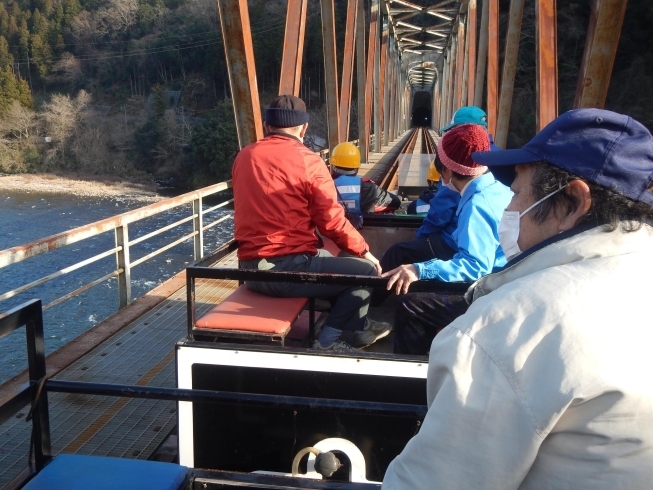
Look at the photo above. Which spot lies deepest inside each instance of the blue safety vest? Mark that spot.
(422, 207)
(349, 195)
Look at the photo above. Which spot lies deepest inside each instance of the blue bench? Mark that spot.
(74, 471)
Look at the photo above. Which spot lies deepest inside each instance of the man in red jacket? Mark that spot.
(283, 192)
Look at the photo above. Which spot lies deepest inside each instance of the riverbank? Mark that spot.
(80, 185)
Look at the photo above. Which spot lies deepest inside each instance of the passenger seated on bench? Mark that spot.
(358, 195)
(467, 254)
(544, 383)
(422, 204)
(282, 193)
(470, 115)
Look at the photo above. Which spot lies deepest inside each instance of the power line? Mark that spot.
(176, 47)
(272, 21)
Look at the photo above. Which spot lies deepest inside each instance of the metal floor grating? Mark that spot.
(142, 354)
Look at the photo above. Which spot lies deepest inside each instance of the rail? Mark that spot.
(120, 225)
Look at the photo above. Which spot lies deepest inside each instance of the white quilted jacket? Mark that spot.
(547, 381)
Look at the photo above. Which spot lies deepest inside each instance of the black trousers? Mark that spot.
(420, 316)
(350, 309)
(418, 250)
(411, 252)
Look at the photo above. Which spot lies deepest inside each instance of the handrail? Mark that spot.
(37, 247)
(120, 225)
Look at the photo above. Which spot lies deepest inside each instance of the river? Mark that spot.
(29, 216)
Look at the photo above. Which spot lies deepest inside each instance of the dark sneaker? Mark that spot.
(338, 345)
(372, 332)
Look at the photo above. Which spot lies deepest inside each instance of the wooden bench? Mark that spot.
(252, 316)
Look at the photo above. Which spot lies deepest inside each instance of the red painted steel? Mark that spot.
(471, 56)
(465, 90)
(293, 48)
(348, 68)
(600, 50)
(444, 105)
(382, 83)
(237, 38)
(481, 65)
(363, 120)
(377, 83)
(453, 70)
(547, 62)
(509, 70)
(493, 65)
(435, 118)
(460, 65)
(371, 51)
(330, 71)
(393, 97)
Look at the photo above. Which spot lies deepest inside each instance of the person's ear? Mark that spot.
(266, 128)
(303, 130)
(446, 174)
(580, 192)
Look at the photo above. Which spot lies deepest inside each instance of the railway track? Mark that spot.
(389, 180)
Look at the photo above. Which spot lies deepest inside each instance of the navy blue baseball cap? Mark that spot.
(609, 149)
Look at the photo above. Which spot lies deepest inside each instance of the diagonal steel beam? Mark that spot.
(481, 65)
(293, 48)
(371, 80)
(451, 102)
(330, 71)
(471, 56)
(237, 38)
(600, 50)
(383, 85)
(493, 66)
(547, 62)
(460, 64)
(509, 70)
(348, 68)
(361, 84)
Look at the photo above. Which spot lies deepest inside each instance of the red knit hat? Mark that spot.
(457, 145)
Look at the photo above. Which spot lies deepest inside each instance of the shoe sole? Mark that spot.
(364, 344)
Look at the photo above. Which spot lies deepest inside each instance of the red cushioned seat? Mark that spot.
(249, 311)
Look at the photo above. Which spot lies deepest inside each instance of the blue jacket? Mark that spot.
(476, 238)
(442, 215)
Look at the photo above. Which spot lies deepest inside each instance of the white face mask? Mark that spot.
(509, 228)
(449, 185)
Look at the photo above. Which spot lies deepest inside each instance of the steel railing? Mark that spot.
(120, 225)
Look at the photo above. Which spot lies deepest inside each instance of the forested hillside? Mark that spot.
(129, 86)
(132, 87)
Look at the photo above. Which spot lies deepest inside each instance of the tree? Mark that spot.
(13, 89)
(215, 145)
(17, 121)
(6, 59)
(62, 116)
(41, 55)
(118, 16)
(67, 70)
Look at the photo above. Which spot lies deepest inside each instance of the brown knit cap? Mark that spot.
(457, 145)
